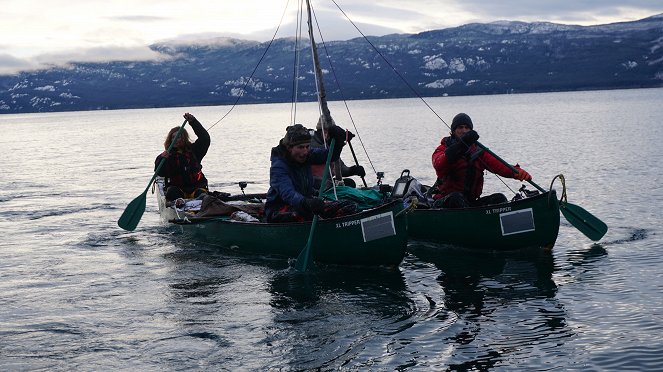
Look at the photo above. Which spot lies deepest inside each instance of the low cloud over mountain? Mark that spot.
(493, 58)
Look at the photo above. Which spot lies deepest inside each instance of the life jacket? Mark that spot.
(467, 176)
(185, 171)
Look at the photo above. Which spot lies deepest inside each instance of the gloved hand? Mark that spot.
(470, 138)
(357, 170)
(522, 175)
(190, 118)
(350, 136)
(337, 133)
(454, 151)
(315, 205)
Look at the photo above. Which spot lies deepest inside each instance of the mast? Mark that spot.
(322, 96)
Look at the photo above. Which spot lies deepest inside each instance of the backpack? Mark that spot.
(407, 186)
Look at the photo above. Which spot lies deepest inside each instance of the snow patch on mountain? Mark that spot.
(442, 83)
(456, 65)
(48, 88)
(435, 62)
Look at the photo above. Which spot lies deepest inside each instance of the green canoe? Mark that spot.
(528, 222)
(374, 237)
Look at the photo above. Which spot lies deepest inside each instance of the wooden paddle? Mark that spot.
(304, 257)
(134, 211)
(582, 220)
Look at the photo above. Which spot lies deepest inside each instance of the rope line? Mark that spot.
(414, 91)
(340, 90)
(241, 93)
(391, 66)
(295, 65)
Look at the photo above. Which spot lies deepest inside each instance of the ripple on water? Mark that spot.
(645, 357)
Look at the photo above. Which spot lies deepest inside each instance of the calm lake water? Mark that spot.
(79, 293)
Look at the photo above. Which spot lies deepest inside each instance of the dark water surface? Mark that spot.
(79, 293)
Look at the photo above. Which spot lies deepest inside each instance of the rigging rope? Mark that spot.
(296, 74)
(295, 65)
(317, 82)
(406, 82)
(241, 93)
(338, 85)
(391, 66)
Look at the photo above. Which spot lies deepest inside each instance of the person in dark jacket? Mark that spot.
(291, 194)
(322, 137)
(183, 169)
(459, 164)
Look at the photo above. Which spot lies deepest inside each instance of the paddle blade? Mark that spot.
(303, 259)
(584, 221)
(132, 214)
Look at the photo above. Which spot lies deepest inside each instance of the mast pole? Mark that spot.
(322, 95)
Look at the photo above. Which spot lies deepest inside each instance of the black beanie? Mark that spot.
(296, 135)
(461, 119)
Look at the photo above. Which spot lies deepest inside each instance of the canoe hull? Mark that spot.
(374, 237)
(530, 222)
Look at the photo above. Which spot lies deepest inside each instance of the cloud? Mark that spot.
(138, 18)
(10, 65)
(579, 12)
(104, 54)
(56, 32)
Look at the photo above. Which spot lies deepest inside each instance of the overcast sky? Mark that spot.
(35, 33)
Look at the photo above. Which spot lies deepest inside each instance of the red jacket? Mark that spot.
(465, 174)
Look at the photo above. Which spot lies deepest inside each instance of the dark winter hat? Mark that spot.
(296, 135)
(461, 119)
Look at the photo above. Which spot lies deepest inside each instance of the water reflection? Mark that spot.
(630, 235)
(330, 317)
(340, 316)
(584, 256)
(505, 303)
(474, 280)
(292, 290)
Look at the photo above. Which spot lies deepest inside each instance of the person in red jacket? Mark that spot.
(459, 164)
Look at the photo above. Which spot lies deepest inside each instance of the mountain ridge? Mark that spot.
(476, 58)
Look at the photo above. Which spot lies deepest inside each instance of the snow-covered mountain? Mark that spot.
(493, 58)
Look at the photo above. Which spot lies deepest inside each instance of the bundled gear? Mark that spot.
(338, 208)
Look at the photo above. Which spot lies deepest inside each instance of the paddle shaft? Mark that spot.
(507, 164)
(305, 255)
(356, 162)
